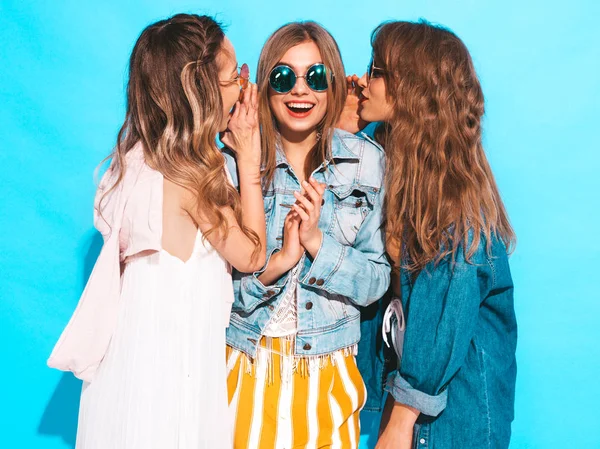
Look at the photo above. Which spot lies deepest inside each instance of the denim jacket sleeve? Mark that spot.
(252, 292)
(360, 272)
(441, 314)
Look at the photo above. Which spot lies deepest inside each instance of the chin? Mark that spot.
(300, 127)
(369, 118)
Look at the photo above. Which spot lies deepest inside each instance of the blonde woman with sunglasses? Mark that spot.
(295, 325)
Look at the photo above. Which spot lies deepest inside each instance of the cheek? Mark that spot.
(229, 95)
(322, 102)
(276, 104)
(379, 93)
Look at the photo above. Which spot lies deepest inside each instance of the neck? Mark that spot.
(298, 142)
(296, 146)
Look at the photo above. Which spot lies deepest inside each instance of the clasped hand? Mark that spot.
(301, 228)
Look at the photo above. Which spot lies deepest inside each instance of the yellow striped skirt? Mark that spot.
(279, 401)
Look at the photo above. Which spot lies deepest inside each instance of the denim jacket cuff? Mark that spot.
(405, 394)
(320, 271)
(254, 287)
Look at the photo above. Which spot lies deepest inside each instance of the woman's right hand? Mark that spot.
(243, 131)
(291, 250)
(290, 254)
(350, 120)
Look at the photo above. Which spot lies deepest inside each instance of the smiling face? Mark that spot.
(300, 110)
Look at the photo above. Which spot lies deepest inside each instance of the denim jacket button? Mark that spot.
(311, 281)
(307, 347)
(309, 305)
(422, 441)
(320, 282)
(270, 293)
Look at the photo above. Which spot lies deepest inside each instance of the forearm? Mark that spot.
(278, 265)
(253, 216)
(397, 424)
(400, 417)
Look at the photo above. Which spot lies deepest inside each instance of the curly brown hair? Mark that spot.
(441, 192)
(174, 108)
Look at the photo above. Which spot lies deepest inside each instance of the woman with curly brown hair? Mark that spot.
(448, 236)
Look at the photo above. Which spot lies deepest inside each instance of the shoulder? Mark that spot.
(489, 258)
(369, 153)
(358, 144)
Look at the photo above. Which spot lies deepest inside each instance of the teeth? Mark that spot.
(300, 105)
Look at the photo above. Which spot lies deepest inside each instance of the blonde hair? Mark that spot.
(174, 108)
(277, 45)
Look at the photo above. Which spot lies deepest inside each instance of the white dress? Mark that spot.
(162, 383)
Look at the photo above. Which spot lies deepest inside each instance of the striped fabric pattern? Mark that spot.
(284, 402)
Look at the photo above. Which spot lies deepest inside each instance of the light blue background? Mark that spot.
(62, 75)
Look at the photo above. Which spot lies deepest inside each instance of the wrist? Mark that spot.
(313, 244)
(403, 418)
(248, 172)
(284, 262)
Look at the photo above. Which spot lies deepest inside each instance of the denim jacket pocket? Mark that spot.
(352, 204)
(340, 307)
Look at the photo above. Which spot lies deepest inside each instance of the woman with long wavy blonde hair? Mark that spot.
(148, 334)
(448, 236)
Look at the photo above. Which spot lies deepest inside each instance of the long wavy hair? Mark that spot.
(174, 108)
(441, 192)
(286, 37)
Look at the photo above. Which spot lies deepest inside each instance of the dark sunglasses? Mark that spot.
(373, 71)
(283, 78)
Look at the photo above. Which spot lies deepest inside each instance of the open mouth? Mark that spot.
(299, 109)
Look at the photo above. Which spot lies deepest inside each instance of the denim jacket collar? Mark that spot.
(339, 151)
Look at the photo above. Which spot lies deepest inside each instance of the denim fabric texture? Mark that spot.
(458, 362)
(350, 270)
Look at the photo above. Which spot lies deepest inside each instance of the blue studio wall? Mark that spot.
(62, 76)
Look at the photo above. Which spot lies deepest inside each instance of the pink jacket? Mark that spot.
(130, 222)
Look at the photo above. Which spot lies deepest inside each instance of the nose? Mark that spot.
(300, 88)
(362, 82)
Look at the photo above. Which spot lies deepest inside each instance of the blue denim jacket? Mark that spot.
(350, 269)
(458, 363)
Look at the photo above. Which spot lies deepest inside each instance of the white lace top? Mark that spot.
(284, 320)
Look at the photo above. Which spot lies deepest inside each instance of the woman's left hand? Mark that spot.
(243, 131)
(309, 211)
